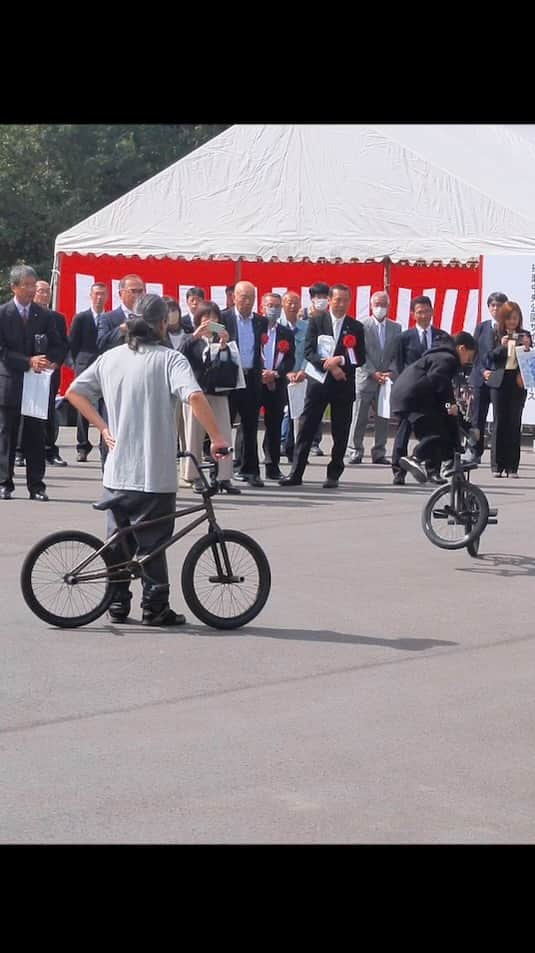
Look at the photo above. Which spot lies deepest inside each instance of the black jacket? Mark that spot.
(496, 359)
(425, 386)
(83, 340)
(322, 324)
(228, 318)
(17, 344)
(410, 348)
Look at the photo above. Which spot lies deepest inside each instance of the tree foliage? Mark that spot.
(53, 176)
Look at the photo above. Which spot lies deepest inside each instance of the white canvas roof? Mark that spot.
(330, 191)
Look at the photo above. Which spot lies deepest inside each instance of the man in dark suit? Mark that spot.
(43, 294)
(411, 345)
(246, 328)
(112, 325)
(279, 358)
(338, 388)
(485, 339)
(83, 344)
(28, 339)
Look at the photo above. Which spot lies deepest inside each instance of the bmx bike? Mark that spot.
(68, 578)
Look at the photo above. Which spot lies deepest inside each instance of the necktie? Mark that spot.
(424, 340)
(382, 336)
(24, 315)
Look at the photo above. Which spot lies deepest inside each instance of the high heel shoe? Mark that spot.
(225, 486)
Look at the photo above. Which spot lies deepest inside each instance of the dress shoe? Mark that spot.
(40, 497)
(383, 461)
(255, 481)
(435, 477)
(354, 458)
(330, 484)
(291, 481)
(19, 460)
(5, 494)
(225, 486)
(272, 474)
(316, 451)
(81, 456)
(413, 466)
(399, 478)
(57, 461)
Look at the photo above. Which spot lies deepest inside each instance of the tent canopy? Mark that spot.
(330, 192)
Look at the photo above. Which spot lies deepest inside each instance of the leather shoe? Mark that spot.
(291, 481)
(399, 479)
(40, 497)
(5, 494)
(330, 484)
(57, 461)
(274, 474)
(383, 461)
(19, 460)
(225, 486)
(354, 458)
(316, 451)
(81, 456)
(255, 481)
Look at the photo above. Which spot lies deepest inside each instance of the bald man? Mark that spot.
(246, 327)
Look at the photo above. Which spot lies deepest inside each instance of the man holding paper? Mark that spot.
(373, 380)
(334, 348)
(29, 342)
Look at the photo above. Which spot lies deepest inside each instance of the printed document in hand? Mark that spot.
(383, 402)
(35, 394)
(296, 399)
(526, 364)
(325, 349)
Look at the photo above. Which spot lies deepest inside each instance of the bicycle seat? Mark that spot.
(112, 504)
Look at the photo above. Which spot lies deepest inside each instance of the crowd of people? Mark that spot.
(243, 360)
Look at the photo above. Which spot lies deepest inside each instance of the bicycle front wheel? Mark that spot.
(45, 582)
(454, 526)
(226, 579)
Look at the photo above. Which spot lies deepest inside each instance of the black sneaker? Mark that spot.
(164, 617)
(413, 466)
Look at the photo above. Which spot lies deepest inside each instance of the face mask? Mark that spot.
(379, 313)
(273, 313)
(320, 304)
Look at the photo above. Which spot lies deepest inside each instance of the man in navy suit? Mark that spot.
(112, 325)
(279, 358)
(28, 339)
(83, 344)
(337, 390)
(246, 328)
(43, 294)
(485, 337)
(412, 344)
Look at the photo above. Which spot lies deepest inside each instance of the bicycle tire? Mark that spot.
(102, 588)
(476, 526)
(473, 547)
(199, 589)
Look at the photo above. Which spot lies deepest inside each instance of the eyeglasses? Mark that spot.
(135, 291)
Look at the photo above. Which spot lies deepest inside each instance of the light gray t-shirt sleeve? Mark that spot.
(182, 382)
(88, 383)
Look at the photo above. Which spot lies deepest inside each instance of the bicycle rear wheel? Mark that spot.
(44, 582)
(452, 527)
(226, 579)
(473, 547)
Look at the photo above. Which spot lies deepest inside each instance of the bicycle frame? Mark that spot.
(132, 567)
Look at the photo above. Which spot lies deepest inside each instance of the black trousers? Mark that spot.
(507, 406)
(273, 402)
(32, 447)
(318, 398)
(144, 506)
(401, 443)
(438, 437)
(478, 416)
(246, 402)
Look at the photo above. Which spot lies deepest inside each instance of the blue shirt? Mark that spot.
(299, 330)
(245, 339)
(269, 348)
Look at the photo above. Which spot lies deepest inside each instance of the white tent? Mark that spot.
(330, 192)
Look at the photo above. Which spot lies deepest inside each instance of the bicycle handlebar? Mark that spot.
(212, 466)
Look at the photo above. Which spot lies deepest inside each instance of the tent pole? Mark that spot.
(387, 265)
(237, 271)
(480, 290)
(54, 281)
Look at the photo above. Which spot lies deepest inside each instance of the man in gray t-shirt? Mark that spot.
(140, 383)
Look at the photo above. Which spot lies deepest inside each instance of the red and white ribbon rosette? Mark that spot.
(282, 349)
(349, 341)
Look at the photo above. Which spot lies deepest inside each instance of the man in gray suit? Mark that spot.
(382, 337)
